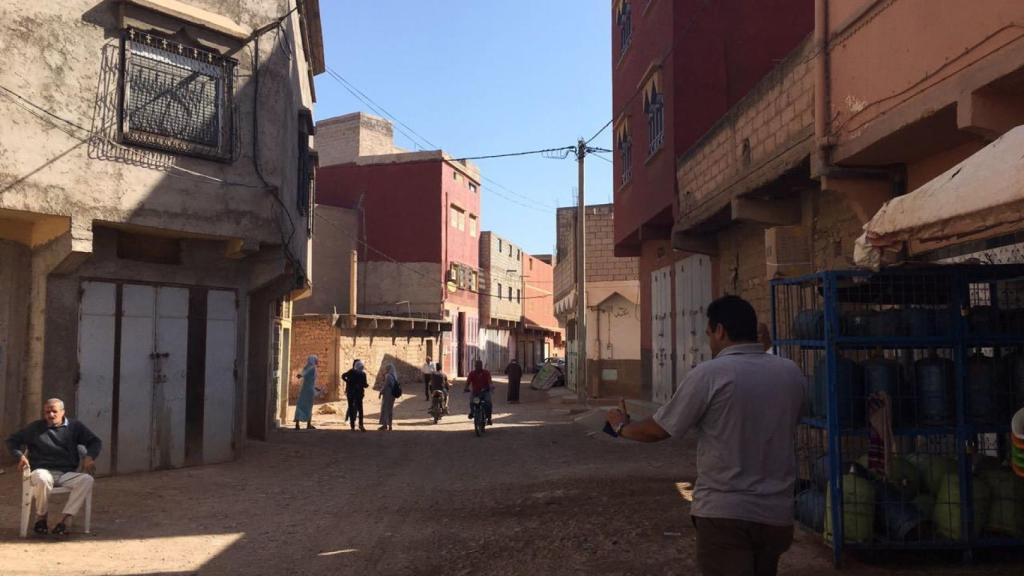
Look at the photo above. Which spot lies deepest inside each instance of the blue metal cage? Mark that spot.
(913, 375)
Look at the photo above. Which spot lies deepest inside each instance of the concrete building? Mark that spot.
(613, 305)
(501, 300)
(330, 325)
(785, 180)
(677, 68)
(418, 229)
(156, 170)
(539, 337)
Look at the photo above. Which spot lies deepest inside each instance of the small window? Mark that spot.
(624, 142)
(472, 225)
(455, 175)
(175, 97)
(531, 264)
(458, 217)
(624, 20)
(654, 107)
(509, 293)
(472, 188)
(499, 291)
(518, 296)
(500, 244)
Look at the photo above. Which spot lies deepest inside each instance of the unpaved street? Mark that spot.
(537, 495)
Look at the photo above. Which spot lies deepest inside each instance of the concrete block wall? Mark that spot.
(342, 139)
(773, 119)
(496, 265)
(602, 264)
(741, 267)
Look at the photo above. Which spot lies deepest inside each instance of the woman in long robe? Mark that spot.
(304, 405)
(387, 396)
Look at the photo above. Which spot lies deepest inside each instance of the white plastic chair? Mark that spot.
(26, 497)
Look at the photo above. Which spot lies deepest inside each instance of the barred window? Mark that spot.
(654, 107)
(175, 97)
(624, 143)
(624, 19)
(306, 169)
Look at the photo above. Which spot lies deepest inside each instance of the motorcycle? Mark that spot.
(479, 408)
(436, 405)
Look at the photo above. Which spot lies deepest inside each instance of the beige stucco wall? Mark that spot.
(613, 322)
(887, 70)
(51, 167)
(67, 185)
(381, 285)
(333, 244)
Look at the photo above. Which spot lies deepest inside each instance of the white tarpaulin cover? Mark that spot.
(983, 194)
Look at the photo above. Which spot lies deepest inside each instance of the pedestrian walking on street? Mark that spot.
(355, 389)
(515, 374)
(745, 405)
(304, 405)
(428, 371)
(387, 398)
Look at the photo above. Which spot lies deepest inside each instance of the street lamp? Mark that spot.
(408, 307)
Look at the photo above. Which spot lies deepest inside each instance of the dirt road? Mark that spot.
(536, 495)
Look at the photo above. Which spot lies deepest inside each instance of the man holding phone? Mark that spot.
(745, 406)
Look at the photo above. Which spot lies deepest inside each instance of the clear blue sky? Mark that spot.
(479, 77)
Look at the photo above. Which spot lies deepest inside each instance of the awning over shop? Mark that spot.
(981, 197)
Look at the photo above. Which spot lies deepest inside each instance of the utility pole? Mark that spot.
(581, 278)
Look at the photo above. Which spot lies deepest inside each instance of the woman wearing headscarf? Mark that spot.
(387, 396)
(355, 386)
(304, 405)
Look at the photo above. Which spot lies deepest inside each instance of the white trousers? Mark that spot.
(43, 481)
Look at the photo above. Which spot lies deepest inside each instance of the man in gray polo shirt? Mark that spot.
(745, 406)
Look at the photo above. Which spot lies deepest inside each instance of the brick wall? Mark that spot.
(765, 134)
(376, 349)
(741, 267)
(314, 335)
(337, 348)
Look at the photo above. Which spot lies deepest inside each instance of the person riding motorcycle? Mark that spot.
(439, 381)
(480, 381)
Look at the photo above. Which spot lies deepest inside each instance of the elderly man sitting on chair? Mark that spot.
(52, 455)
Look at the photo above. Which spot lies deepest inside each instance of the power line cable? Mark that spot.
(417, 139)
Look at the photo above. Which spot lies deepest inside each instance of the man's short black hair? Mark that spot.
(736, 315)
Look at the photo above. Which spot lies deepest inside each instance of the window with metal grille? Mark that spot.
(625, 145)
(624, 19)
(175, 97)
(654, 107)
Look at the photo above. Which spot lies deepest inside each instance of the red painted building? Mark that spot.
(419, 223)
(677, 68)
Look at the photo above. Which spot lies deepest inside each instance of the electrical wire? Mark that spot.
(418, 140)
